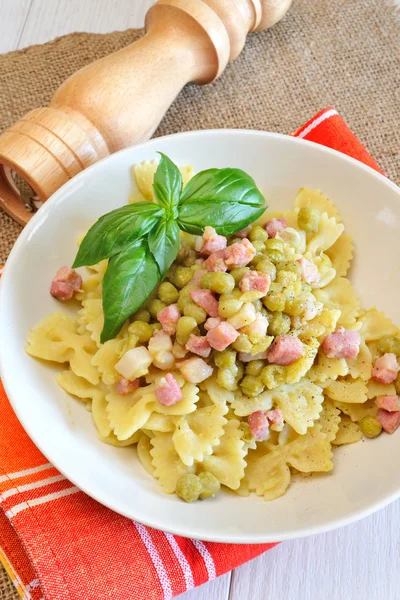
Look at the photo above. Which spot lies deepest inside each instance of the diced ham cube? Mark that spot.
(258, 328)
(390, 421)
(309, 271)
(212, 322)
(259, 425)
(274, 226)
(210, 242)
(389, 403)
(124, 386)
(169, 317)
(240, 253)
(275, 417)
(207, 301)
(160, 341)
(65, 284)
(197, 277)
(195, 370)
(216, 261)
(221, 336)
(255, 281)
(285, 350)
(245, 316)
(168, 391)
(246, 357)
(385, 368)
(244, 232)
(198, 345)
(134, 363)
(342, 343)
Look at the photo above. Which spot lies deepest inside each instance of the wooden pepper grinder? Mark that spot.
(119, 100)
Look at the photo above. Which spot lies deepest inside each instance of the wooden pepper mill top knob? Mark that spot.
(119, 100)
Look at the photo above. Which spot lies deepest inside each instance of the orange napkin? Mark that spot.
(58, 544)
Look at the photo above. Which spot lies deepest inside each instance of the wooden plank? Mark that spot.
(48, 20)
(357, 561)
(13, 14)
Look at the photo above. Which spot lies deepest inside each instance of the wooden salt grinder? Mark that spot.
(119, 100)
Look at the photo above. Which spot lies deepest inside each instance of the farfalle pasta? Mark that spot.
(251, 361)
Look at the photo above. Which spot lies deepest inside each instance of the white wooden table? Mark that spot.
(354, 563)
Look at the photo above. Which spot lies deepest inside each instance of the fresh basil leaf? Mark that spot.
(115, 230)
(222, 185)
(226, 217)
(164, 242)
(130, 278)
(167, 183)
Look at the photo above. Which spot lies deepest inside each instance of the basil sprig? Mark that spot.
(141, 240)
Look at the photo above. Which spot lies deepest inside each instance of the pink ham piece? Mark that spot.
(168, 391)
(285, 350)
(309, 271)
(65, 284)
(240, 253)
(389, 403)
(244, 232)
(124, 386)
(385, 368)
(342, 343)
(169, 317)
(195, 370)
(255, 281)
(390, 421)
(275, 417)
(206, 300)
(196, 280)
(212, 322)
(198, 345)
(221, 336)
(216, 261)
(259, 425)
(274, 226)
(210, 242)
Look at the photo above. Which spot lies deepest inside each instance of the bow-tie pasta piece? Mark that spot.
(325, 269)
(227, 460)
(341, 254)
(143, 449)
(320, 326)
(217, 394)
(340, 295)
(197, 433)
(329, 420)
(327, 369)
(112, 440)
(129, 413)
(90, 318)
(316, 199)
(351, 391)
(375, 389)
(56, 339)
(357, 411)
(244, 406)
(361, 366)
(91, 286)
(144, 175)
(348, 433)
(328, 232)
(375, 324)
(300, 403)
(168, 467)
(158, 422)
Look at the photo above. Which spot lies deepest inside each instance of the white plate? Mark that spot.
(366, 475)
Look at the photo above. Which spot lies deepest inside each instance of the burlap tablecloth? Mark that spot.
(340, 52)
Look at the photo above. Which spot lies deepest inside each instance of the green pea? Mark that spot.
(238, 273)
(184, 328)
(279, 324)
(186, 256)
(388, 343)
(292, 266)
(254, 367)
(192, 310)
(308, 219)
(259, 246)
(142, 315)
(209, 485)
(272, 376)
(188, 487)
(142, 330)
(275, 301)
(225, 359)
(258, 305)
(258, 234)
(226, 378)
(156, 326)
(182, 276)
(274, 244)
(267, 266)
(219, 282)
(154, 307)
(296, 306)
(168, 293)
(275, 256)
(229, 306)
(242, 343)
(370, 426)
(262, 345)
(257, 259)
(251, 386)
